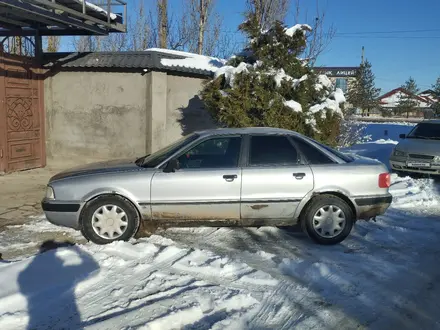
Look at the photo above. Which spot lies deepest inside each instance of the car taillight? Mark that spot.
(384, 180)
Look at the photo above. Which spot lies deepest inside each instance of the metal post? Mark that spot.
(38, 47)
(108, 11)
(362, 57)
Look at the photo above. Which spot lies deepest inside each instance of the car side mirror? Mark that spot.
(171, 166)
(402, 136)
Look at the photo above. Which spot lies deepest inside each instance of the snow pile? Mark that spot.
(297, 27)
(329, 104)
(385, 141)
(296, 82)
(325, 81)
(280, 75)
(230, 72)
(295, 106)
(338, 96)
(191, 60)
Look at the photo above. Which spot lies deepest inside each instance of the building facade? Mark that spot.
(340, 76)
(389, 102)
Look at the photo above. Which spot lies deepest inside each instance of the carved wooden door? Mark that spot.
(21, 96)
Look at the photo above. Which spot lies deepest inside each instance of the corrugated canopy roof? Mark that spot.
(142, 60)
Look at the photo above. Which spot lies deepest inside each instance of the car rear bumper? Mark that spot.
(371, 206)
(61, 213)
(401, 165)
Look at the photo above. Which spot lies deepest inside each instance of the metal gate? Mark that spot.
(22, 141)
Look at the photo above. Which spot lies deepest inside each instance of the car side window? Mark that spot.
(272, 150)
(313, 155)
(221, 152)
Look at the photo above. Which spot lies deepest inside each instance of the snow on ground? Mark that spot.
(387, 131)
(384, 276)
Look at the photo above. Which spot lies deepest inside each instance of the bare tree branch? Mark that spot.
(268, 11)
(320, 37)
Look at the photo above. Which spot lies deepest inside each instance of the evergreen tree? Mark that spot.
(363, 93)
(436, 90)
(408, 100)
(268, 85)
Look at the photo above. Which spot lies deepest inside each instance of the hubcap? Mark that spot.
(109, 222)
(329, 221)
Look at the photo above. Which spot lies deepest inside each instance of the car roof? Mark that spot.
(246, 130)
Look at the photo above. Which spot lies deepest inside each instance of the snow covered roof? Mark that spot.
(150, 59)
(189, 60)
(392, 98)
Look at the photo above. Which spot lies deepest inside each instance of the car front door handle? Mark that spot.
(299, 176)
(230, 177)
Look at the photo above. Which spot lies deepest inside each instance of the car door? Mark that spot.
(205, 187)
(274, 179)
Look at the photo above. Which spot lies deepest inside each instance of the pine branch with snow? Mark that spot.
(268, 84)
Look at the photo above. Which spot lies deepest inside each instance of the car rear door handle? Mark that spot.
(230, 177)
(299, 176)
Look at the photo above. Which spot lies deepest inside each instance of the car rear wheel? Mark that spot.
(109, 218)
(327, 219)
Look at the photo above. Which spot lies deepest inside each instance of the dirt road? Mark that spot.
(21, 192)
(20, 207)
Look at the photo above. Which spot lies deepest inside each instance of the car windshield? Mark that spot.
(425, 131)
(159, 156)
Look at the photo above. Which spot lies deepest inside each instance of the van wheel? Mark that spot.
(327, 220)
(109, 218)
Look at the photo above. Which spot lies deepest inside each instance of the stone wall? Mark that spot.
(104, 115)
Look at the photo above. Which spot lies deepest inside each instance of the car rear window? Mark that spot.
(313, 155)
(337, 153)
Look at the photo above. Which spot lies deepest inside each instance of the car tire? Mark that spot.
(331, 204)
(115, 225)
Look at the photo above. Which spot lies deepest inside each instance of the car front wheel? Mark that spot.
(109, 218)
(327, 220)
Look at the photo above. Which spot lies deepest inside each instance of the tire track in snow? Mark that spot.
(140, 276)
(276, 301)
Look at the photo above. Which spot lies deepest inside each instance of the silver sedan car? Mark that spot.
(223, 177)
(419, 152)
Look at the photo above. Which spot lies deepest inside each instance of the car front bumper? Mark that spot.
(369, 207)
(401, 164)
(62, 213)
